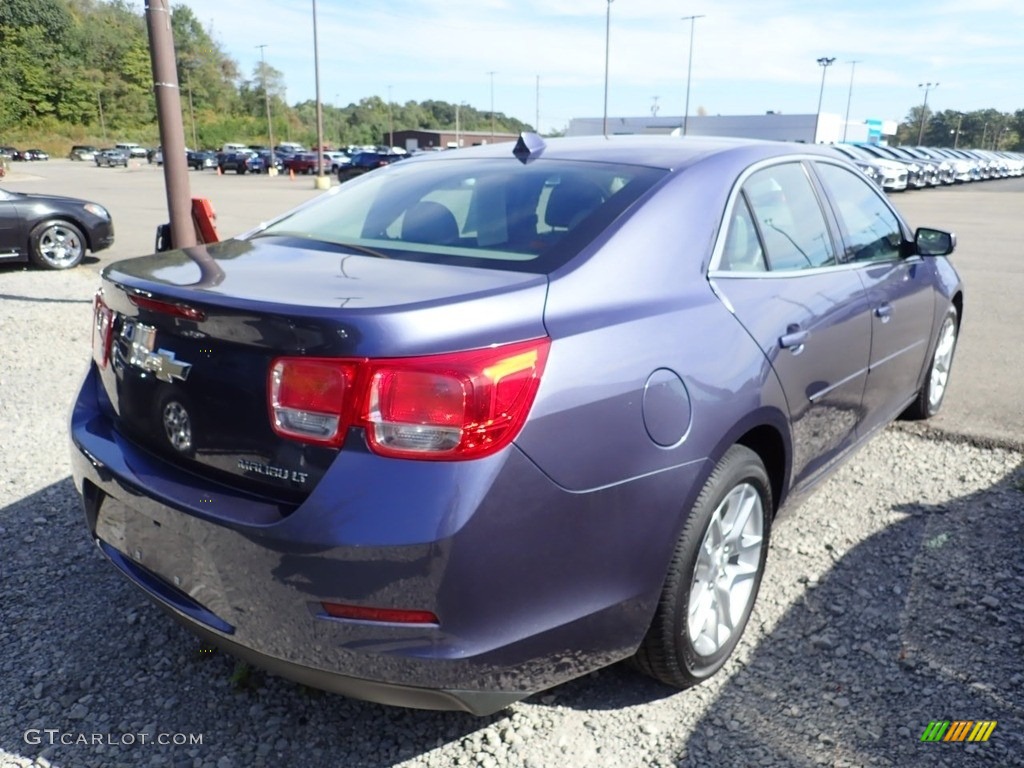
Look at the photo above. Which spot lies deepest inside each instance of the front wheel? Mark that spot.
(714, 574)
(929, 399)
(56, 245)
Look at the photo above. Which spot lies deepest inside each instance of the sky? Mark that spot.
(546, 58)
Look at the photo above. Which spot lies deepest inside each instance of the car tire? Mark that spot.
(56, 244)
(929, 399)
(714, 574)
(240, 170)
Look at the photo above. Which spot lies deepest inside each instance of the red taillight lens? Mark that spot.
(311, 398)
(102, 330)
(460, 405)
(391, 615)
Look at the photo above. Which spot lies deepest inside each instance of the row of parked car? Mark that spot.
(13, 153)
(896, 169)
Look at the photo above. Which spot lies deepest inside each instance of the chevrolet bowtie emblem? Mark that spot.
(162, 363)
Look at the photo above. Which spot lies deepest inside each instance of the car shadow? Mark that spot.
(85, 653)
(934, 606)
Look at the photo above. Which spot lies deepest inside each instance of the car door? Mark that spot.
(11, 240)
(899, 290)
(778, 272)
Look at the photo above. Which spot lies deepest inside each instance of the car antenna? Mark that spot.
(528, 147)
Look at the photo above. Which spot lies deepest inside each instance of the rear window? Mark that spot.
(492, 213)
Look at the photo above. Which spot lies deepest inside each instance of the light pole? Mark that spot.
(391, 124)
(849, 98)
(824, 62)
(956, 136)
(492, 105)
(689, 69)
(266, 96)
(607, 42)
(924, 110)
(322, 182)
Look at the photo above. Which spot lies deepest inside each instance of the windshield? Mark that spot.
(494, 213)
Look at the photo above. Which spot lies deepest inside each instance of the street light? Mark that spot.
(689, 68)
(959, 122)
(492, 105)
(849, 98)
(391, 124)
(321, 182)
(924, 110)
(607, 42)
(825, 62)
(266, 97)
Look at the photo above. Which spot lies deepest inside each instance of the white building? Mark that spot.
(772, 126)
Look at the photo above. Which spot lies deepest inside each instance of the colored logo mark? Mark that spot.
(958, 730)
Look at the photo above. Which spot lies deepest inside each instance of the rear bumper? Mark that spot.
(532, 585)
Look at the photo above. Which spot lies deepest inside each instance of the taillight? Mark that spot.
(102, 330)
(311, 398)
(459, 405)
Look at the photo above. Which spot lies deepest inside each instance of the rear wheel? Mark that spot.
(56, 245)
(714, 575)
(929, 399)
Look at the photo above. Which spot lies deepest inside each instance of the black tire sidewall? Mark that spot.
(740, 465)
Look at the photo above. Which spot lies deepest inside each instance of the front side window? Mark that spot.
(789, 218)
(870, 230)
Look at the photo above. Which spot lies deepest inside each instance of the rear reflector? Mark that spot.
(389, 615)
(459, 405)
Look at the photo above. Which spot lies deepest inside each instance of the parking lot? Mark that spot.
(893, 597)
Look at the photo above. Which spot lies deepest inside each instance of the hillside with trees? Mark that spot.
(78, 72)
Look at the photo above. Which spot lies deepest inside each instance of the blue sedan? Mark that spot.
(484, 421)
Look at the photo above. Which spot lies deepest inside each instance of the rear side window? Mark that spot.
(492, 213)
(789, 218)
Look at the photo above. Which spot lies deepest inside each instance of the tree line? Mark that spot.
(980, 129)
(78, 71)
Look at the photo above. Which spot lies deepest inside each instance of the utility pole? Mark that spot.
(266, 97)
(825, 62)
(849, 98)
(492, 105)
(607, 42)
(103, 125)
(536, 124)
(172, 132)
(689, 69)
(391, 123)
(924, 110)
(321, 182)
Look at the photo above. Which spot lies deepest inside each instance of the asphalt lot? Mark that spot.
(983, 402)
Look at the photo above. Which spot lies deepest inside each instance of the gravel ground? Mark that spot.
(893, 597)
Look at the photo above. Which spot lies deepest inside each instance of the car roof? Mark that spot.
(666, 152)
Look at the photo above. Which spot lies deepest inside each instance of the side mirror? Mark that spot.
(934, 242)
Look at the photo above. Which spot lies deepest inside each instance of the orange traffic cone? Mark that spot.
(291, 174)
(219, 171)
